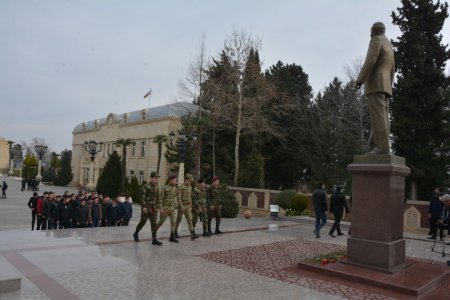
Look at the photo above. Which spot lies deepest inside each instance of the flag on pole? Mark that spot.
(149, 93)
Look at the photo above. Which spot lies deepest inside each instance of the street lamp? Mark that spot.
(182, 139)
(92, 147)
(40, 151)
(12, 152)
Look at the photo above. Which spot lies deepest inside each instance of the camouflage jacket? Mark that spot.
(198, 198)
(149, 195)
(168, 197)
(212, 196)
(186, 195)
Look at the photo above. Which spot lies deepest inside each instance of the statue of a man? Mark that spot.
(377, 74)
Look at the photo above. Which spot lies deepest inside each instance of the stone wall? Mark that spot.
(258, 201)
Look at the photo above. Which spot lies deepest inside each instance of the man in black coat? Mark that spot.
(65, 214)
(319, 197)
(32, 204)
(434, 212)
(337, 205)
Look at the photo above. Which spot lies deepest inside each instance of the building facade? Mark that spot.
(4, 153)
(141, 127)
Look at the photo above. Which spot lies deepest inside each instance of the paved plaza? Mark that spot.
(251, 260)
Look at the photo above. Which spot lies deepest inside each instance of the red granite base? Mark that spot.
(416, 279)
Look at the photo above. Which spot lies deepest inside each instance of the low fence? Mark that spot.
(258, 201)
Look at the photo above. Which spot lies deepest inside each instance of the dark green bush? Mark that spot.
(230, 207)
(299, 203)
(283, 199)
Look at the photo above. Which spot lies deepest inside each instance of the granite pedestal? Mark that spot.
(378, 183)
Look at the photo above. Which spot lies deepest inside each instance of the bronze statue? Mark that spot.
(377, 74)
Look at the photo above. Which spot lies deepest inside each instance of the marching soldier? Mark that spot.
(149, 205)
(186, 205)
(199, 206)
(213, 204)
(169, 203)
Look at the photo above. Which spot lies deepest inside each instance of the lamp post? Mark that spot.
(40, 151)
(182, 138)
(92, 147)
(12, 152)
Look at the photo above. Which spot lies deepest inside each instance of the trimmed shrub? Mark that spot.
(230, 206)
(299, 203)
(283, 199)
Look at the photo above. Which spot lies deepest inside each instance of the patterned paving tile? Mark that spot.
(270, 260)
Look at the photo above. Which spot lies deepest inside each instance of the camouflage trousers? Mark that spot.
(202, 214)
(172, 213)
(187, 212)
(151, 214)
(214, 212)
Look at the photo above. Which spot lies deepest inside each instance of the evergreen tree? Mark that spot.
(109, 181)
(30, 167)
(419, 122)
(64, 176)
(284, 162)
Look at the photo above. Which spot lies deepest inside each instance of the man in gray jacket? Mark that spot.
(377, 75)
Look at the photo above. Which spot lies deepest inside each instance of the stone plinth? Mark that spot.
(378, 183)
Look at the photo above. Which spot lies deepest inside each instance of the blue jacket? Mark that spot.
(126, 210)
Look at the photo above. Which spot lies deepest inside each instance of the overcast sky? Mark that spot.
(66, 62)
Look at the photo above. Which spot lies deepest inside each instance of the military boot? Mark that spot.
(136, 236)
(176, 234)
(155, 240)
(172, 238)
(209, 229)
(193, 235)
(217, 227)
(206, 232)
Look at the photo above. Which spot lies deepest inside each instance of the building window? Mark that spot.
(141, 176)
(142, 149)
(131, 173)
(133, 149)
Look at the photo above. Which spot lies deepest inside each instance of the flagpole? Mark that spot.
(149, 95)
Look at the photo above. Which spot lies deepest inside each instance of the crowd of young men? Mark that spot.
(173, 201)
(51, 211)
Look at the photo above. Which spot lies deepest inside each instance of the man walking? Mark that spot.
(320, 208)
(199, 206)
(149, 208)
(186, 206)
(4, 188)
(213, 204)
(435, 209)
(337, 205)
(168, 203)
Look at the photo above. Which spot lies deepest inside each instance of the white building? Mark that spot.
(141, 127)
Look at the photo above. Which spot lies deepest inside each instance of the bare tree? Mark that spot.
(193, 90)
(240, 97)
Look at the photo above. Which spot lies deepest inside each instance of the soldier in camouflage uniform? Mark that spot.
(213, 204)
(169, 202)
(186, 205)
(199, 206)
(149, 208)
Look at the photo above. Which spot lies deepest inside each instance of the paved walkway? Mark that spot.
(250, 261)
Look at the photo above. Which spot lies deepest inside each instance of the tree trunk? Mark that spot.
(236, 146)
(159, 158)
(198, 147)
(124, 168)
(214, 151)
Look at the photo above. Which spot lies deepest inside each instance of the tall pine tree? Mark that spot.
(419, 101)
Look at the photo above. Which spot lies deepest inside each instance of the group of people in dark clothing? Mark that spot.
(52, 211)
